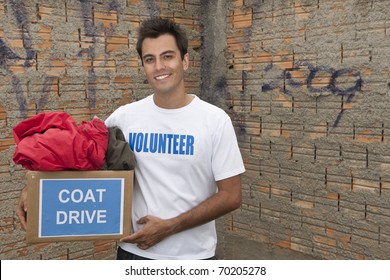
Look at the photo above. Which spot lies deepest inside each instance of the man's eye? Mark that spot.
(167, 57)
(148, 60)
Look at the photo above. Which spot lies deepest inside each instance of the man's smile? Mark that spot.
(162, 77)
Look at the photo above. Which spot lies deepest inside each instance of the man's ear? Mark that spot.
(186, 62)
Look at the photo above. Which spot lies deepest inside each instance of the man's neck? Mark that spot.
(167, 101)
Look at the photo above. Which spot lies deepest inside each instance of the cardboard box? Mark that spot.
(78, 205)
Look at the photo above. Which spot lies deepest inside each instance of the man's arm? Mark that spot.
(21, 211)
(227, 199)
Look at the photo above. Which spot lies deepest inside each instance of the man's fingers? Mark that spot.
(132, 238)
(143, 246)
(135, 239)
(22, 208)
(143, 220)
(22, 217)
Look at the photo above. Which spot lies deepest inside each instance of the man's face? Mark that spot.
(163, 65)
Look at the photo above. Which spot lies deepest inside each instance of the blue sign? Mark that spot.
(81, 207)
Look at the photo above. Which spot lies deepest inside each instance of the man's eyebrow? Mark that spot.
(167, 52)
(163, 53)
(147, 55)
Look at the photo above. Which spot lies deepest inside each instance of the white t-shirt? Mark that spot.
(180, 153)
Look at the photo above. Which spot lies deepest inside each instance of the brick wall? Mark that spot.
(78, 57)
(309, 85)
(306, 83)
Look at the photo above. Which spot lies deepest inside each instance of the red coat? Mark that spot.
(52, 141)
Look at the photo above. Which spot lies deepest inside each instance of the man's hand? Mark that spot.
(21, 211)
(227, 199)
(154, 230)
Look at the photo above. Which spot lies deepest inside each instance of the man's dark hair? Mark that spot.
(155, 27)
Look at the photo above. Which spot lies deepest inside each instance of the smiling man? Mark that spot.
(188, 161)
(164, 67)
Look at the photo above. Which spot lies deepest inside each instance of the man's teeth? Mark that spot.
(161, 77)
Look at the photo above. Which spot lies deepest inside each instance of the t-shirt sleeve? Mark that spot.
(226, 157)
(112, 119)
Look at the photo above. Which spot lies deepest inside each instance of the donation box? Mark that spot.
(78, 205)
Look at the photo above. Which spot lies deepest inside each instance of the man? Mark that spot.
(188, 161)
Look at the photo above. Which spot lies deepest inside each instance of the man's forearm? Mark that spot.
(227, 199)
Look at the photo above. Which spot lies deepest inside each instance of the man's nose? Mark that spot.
(160, 64)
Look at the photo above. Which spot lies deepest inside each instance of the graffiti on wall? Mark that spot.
(21, 17)
(286, 83)
(20, 14)
(313, 71)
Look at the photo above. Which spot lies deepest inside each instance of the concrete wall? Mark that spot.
(306, 83)
(309, 92)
